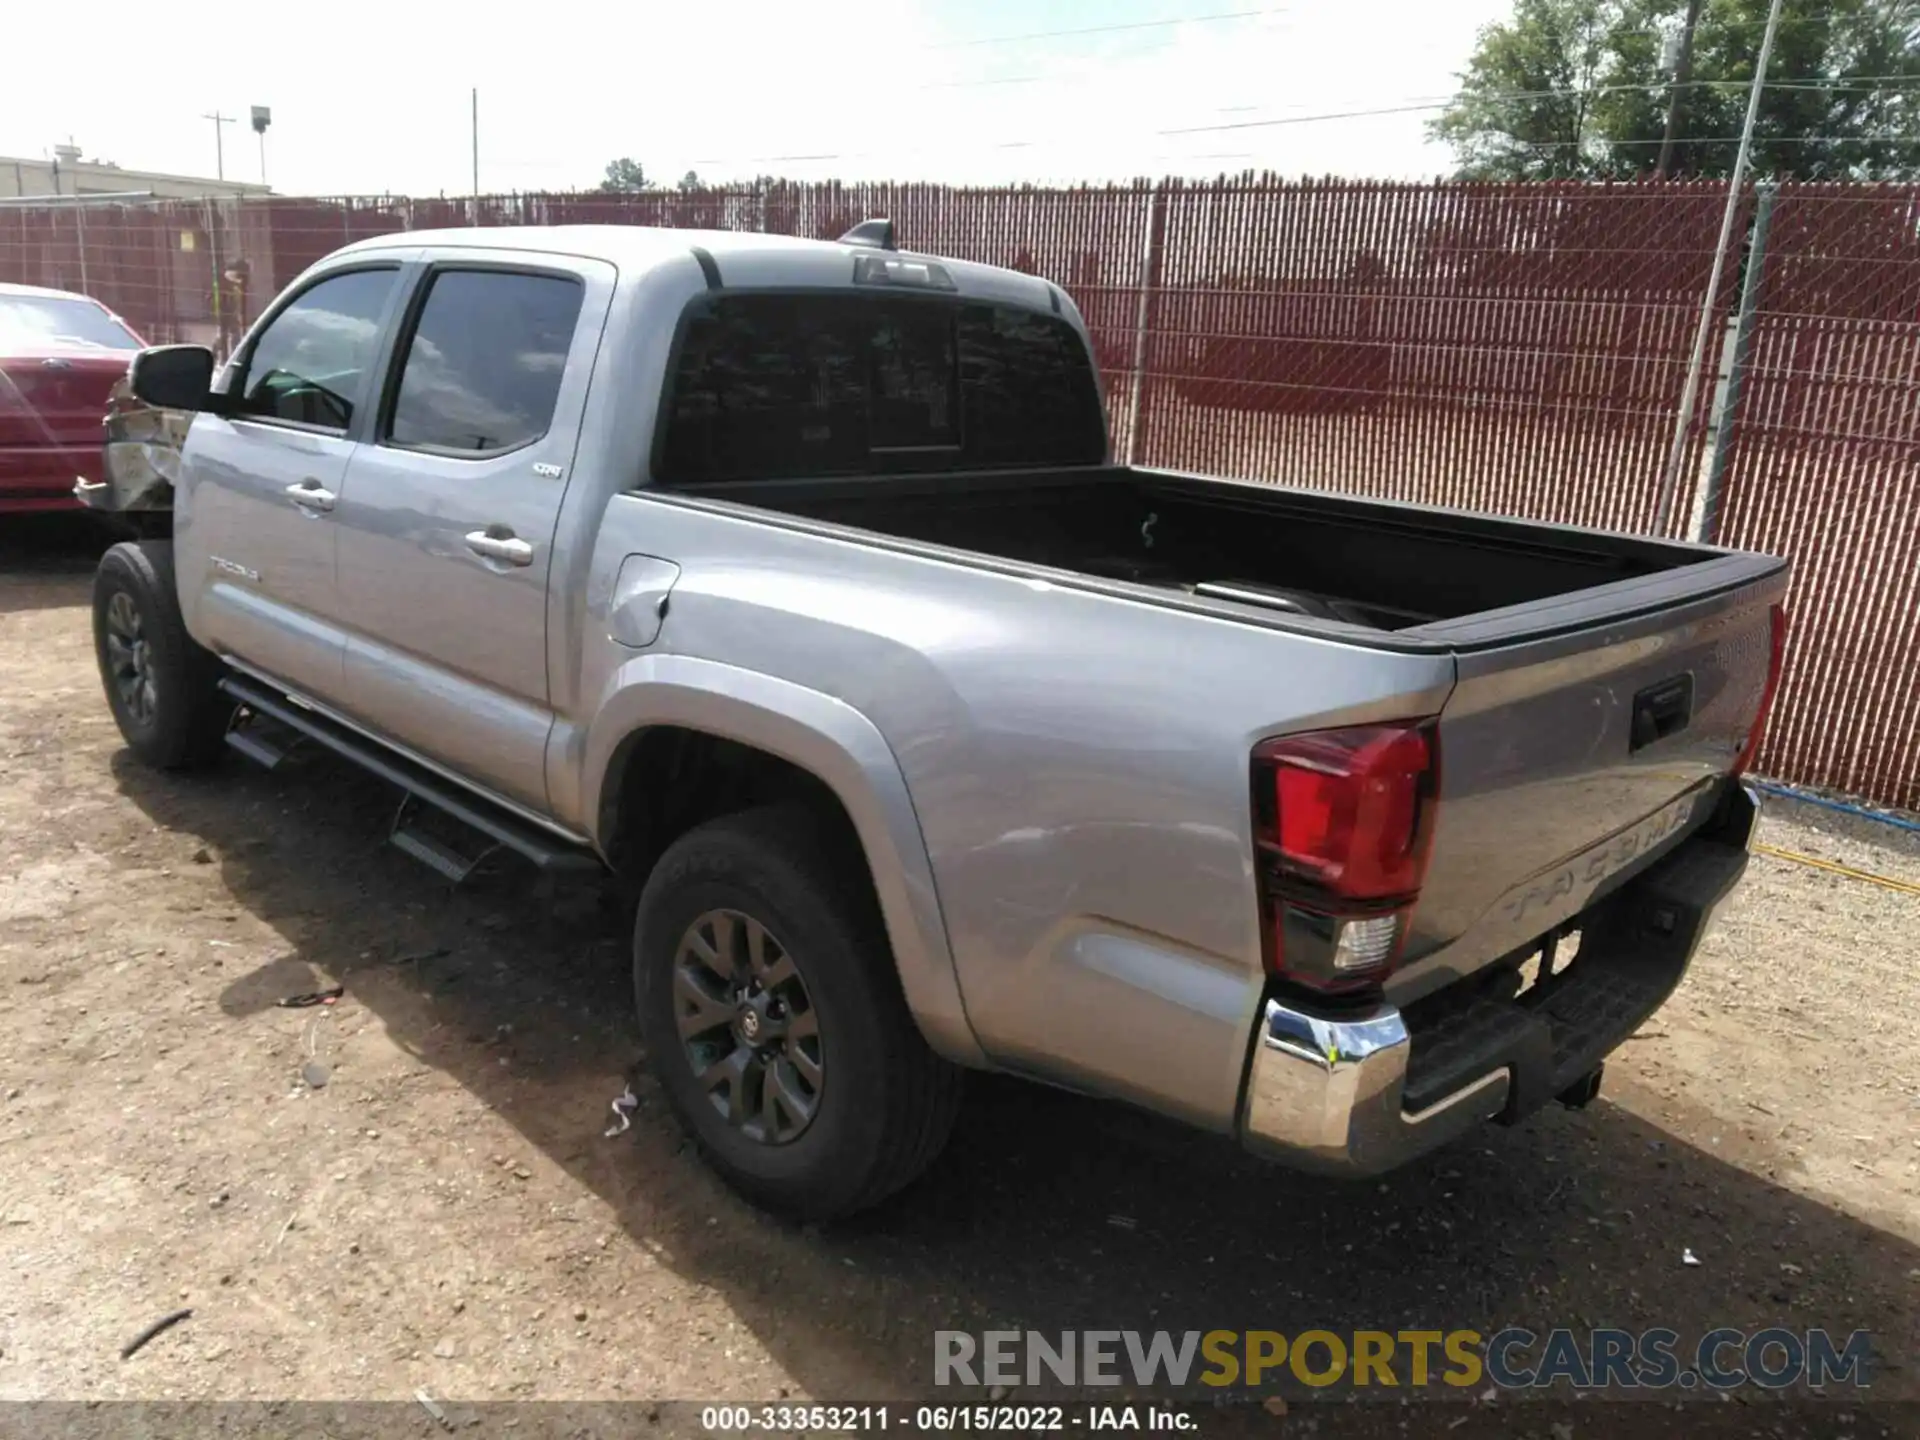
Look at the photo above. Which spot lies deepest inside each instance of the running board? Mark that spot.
(497, 825)
(411, 837)
(264, 741)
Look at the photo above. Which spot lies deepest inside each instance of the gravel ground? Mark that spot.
(445, 1214)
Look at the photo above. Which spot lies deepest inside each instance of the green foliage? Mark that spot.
(1573, 89)
(625, 176)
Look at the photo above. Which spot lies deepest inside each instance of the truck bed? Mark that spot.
(1603, 684)
(1413, 576)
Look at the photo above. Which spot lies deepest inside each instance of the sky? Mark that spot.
(376, 98)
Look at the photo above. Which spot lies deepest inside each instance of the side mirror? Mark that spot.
(173, 377)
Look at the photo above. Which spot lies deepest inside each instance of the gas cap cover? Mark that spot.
(639, 603)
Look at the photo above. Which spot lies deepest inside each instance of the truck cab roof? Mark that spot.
(731, 258)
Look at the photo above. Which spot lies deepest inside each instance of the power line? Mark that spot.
(1596, 143)
(1305, 119)
(1838, 85)
(977, 84)
(1104, 29)
(1411, 105)
(1726, 140)
(1845, 82)
(1407, 106)
(1417, 103)
(1841, 82)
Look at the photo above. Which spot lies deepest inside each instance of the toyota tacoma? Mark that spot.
(795, 582)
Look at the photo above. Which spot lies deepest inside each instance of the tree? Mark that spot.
(1525, 107)
(625, 176)
(1574, 89)
(689, 181)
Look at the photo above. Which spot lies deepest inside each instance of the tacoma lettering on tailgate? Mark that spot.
(1585, 873)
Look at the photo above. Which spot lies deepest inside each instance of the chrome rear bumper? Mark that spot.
(1331, 1093)
(1325, 1095)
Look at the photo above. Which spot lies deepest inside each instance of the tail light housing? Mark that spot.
(1343, 820)
(1776, 659)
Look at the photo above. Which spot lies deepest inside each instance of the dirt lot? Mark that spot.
(445, 1213)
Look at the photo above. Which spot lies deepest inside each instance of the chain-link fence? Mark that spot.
(1513, 348)
(1821, 465)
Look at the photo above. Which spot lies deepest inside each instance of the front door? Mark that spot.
(254, 518)
(446, 525)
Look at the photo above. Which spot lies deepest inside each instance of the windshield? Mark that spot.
(29, 320)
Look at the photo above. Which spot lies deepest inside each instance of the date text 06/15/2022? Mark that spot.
(941, 1419)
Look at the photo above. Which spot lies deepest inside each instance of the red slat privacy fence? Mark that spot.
(1503, 347)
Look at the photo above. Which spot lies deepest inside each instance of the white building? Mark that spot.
(65, 173)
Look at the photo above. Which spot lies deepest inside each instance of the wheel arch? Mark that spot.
(771, 732)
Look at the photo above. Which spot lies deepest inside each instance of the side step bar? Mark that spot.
(431, 850)
(263, 749)
(547, 852)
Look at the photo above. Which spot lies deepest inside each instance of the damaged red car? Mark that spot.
(61, 355)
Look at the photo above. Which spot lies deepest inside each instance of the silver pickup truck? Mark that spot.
(794, 581)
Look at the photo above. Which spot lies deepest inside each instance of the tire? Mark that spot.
(885, 1102)
(177, 720)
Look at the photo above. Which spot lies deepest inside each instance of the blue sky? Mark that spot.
(377, 99)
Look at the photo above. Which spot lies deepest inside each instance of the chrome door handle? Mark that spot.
(309, 495)
(504, 548)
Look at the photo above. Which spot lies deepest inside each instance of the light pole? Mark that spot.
(1690, 393)
(262, 118)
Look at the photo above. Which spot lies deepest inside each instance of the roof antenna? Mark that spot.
(877, 233)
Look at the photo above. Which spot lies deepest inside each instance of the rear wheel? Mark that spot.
(774, 1019)
(163, 688)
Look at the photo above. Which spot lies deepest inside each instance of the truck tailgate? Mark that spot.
(1571, 760)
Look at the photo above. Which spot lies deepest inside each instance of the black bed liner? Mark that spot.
(1379, 573)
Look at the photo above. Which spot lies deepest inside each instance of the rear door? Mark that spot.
(447, 523)
(255, 521)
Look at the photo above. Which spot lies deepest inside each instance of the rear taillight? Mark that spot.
(1776, 658)
(1342, 820)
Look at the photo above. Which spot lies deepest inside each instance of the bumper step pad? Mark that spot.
(1634, 949)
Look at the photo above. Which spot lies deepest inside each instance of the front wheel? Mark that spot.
(162, 687)
(774, 1020)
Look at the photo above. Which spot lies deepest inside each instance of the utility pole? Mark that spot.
(219, 142)
(476, 142)
(1690, 393)
(1682, 72)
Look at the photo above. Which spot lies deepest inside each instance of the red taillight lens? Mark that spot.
(1776, 659)
(1348, 807)
(1343, 819)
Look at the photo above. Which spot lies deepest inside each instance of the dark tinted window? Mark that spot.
(838, 384)
(312, 361)
(483, 368)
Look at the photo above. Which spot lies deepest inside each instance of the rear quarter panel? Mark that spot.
(1078, 763)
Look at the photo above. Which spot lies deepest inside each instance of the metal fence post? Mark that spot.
(1149, 278)
(80, 239)
(212, 224)
(1706, 516)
